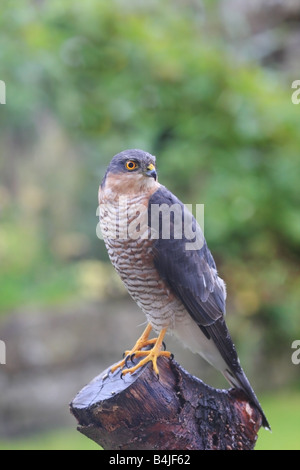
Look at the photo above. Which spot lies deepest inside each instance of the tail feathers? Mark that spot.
(239, 380)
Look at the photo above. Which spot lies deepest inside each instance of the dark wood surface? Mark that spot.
(175, 412)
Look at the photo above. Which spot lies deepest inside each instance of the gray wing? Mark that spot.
(192, 276)
(191, 273)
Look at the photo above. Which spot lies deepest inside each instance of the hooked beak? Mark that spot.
(151, 171)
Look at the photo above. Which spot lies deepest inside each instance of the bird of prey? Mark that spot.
(172, 277)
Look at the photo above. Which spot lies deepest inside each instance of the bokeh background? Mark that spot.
(206, 87)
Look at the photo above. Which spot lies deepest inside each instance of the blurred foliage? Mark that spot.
(86, 80)
(284, 411)
(53, 440)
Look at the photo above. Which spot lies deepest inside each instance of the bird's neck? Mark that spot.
(131, 186)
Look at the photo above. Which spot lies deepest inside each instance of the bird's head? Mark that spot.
(131, 171)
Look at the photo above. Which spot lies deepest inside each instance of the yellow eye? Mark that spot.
(131, 165)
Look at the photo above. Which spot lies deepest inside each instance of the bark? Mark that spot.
(175, 412)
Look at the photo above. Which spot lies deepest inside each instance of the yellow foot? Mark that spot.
(142, 342)
(149, 356)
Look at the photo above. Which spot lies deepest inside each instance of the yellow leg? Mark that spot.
(151, 355)
(142, 342)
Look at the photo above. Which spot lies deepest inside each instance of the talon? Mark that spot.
(132, 356)
(127, 358)
(164, 345)
(172, 357)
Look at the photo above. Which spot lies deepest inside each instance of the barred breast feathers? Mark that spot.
(133, 257)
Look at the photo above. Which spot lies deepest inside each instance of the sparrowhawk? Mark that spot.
(172, 277)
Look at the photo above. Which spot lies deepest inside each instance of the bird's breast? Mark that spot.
(124, 226)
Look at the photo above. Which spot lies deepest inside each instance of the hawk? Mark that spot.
(174, 281)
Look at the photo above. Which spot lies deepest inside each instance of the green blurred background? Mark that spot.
(206, 87)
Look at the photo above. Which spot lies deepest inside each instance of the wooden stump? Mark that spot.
(176, 412)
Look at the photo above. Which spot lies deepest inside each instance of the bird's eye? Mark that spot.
(131, 165)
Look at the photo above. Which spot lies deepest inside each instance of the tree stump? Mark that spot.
(175, 412)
